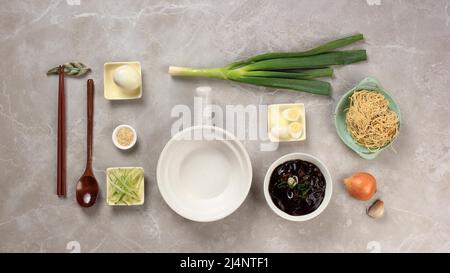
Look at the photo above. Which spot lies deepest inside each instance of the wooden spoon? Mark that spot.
(87, 186)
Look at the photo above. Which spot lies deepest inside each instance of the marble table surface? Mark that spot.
(408, 44)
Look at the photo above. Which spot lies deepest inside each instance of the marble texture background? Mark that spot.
(408, 44)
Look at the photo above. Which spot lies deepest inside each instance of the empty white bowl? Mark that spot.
(204, 173)
(328, 186)
(117, 144)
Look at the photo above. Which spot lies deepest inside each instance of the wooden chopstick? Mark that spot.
(58, 171)
(61, 161)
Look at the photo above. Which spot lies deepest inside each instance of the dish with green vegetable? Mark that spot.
(125, 186)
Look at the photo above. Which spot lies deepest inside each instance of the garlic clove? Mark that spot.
(376, 210)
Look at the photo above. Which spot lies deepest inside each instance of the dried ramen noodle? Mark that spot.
(370, 121)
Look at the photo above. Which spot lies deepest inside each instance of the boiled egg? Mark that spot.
(291, 114)
(280, 131)
(127, 77)
(295, 129)
(277, 119)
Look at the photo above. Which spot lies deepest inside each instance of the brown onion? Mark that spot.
(361, 185)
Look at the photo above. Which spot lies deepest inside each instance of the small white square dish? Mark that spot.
(286, 122)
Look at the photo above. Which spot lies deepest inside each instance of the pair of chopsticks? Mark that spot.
(61, 150)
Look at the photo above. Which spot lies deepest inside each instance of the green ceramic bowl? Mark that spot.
(339, 119)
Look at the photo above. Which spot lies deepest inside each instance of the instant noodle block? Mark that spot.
(340, 115)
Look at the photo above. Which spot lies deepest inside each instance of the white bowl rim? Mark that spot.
(246, 159)
(328, 189)
(116, 143)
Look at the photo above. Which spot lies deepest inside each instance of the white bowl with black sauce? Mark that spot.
(298, 187)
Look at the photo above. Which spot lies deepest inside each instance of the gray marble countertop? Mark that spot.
(408, 44)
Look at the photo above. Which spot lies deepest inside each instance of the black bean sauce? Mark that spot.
(297, 187)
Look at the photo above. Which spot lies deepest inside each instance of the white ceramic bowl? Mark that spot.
(204, 173)
(328, 187)
(116, 143)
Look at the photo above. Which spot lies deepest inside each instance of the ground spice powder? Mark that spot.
(125, 136)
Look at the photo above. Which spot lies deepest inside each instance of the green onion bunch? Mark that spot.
(287, 70)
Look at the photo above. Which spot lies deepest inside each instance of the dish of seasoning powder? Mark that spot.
(124, 136)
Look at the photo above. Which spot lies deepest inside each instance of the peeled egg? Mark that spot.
(127, 77)
(280, 131)
(291, 114)
(277, 119)
(295, 129)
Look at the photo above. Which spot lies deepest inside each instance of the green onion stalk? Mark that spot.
(285, 70)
